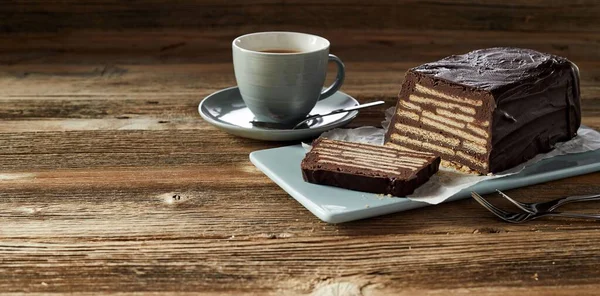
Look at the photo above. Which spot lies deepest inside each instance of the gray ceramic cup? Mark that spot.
(284, 83)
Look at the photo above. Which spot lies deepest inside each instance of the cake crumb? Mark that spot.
(459, 167)
(367, 206)
(535, 276)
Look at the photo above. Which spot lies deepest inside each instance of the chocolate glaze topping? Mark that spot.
(508, 73)
(534, 98)
(494, 69)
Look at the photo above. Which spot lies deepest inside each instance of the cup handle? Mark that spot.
(339, 79)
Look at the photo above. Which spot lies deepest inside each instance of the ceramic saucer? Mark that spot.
(226, 110)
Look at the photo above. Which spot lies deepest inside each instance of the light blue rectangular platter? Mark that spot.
(337, 205)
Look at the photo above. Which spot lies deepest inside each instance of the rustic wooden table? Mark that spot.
(99, 129)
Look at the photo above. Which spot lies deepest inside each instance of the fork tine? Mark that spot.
(496, 211)
(504, 215)
(516, 203)
(487, 203)
(487, 206)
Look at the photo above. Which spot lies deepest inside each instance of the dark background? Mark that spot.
(168, 31)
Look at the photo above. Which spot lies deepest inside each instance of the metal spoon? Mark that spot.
(276, 125)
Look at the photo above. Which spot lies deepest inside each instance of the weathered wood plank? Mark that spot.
(522, 15)
(135, 204)
(140, 46)
(189, 264)
(130, 148)
(149, 83)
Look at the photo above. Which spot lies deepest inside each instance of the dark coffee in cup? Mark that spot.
(281, 51)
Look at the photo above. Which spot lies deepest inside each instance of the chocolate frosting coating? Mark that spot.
(494, 69)
(536, 96)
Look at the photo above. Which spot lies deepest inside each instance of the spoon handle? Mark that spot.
(357, 107)
(347, 109)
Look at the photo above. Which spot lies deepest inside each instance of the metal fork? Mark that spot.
(549, 206)
(524, 217)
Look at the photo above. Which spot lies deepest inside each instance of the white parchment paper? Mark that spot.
(448, 181)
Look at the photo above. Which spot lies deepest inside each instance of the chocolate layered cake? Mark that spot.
(368, 168)
(488, 110)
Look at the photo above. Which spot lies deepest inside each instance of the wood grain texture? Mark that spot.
(111, 183)
(170, 46)
(521, 15)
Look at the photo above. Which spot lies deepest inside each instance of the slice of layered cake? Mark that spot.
(488, 110)
(368, 168)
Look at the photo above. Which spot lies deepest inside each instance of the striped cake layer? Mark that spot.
(371, 157)
(489, 109)
(432, 119)
(369, 168)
